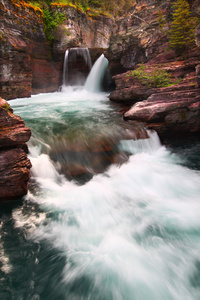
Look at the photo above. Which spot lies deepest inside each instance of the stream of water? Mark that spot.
(111, 214)
(131, 232)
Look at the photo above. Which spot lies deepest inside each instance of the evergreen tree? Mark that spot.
(182, 35)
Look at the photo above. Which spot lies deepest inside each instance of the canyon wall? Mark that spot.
(30, 64)
(143, 37)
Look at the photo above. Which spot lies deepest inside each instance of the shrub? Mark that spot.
(154, 78)
(51, 21)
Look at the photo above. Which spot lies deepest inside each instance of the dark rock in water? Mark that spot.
(81, 159)
(14, 164)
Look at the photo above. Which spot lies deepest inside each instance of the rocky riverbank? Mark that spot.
(171, 111)
(14, 164)
(142, 38)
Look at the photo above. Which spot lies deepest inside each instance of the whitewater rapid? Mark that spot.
(131, 232)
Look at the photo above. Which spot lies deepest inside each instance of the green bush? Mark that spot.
(51, 21)
(154, 78)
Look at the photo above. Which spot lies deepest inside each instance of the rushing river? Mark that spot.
(129, 231)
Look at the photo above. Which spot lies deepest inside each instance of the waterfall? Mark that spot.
(65, 70)
(95, 77)
(72, 55)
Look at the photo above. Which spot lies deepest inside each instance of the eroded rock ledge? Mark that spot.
(14, 163)
(169, 112)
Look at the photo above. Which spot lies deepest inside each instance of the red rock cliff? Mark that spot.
(14, 164)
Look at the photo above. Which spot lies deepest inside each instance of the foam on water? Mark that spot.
(129, 233)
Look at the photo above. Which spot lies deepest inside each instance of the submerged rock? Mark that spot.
(14, 164)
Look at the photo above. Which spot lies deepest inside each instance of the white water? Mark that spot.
(65, 67)
(95, 77)
(129, 233)
(74, 53)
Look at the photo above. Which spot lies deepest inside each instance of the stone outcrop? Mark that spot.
(129, 90)
(81, 29)
(169, 112)
(14, 164)
(139, 37)
(172, 110)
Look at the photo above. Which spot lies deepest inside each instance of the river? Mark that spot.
(127, 231)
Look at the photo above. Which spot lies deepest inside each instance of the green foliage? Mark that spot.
(154, 78)
(52, 20)
(113, 6)
(182, 33)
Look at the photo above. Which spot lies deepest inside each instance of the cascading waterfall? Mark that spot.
(95, 77)
(131, 232)
(65, 67)
(73, 54)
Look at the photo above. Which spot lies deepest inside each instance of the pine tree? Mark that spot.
(182, 35)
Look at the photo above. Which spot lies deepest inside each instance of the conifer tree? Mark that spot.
(182, 35)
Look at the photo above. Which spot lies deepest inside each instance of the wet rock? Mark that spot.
(14, 164)
(175, 112)
(13, 131)
(14, 173)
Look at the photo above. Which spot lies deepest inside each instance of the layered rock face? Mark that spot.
(81, 30)
(23, 51)
(14, 164)
(29, 64)
(172, 110)
(169, 112)
(139, 37)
